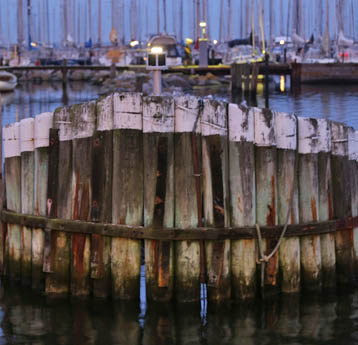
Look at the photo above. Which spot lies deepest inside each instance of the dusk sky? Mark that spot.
(147, 24)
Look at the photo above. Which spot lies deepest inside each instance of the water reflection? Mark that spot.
(31, 319)
(335, 102)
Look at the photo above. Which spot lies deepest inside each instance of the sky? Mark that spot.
(145, 19)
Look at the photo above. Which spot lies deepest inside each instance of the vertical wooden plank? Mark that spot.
(266, 188)
(43, 123)
(59, 202)
(158, 136)
(216, 197)
(101, 209)
(287, 200)
(187, 253)
(27, 194)
(12, 155)
(342, 202)
(308, 202)
(354, 178)
(83, 126)
(127, 198)
(325, 203)
(243, 201)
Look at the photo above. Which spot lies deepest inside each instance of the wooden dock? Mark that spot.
(247, 201)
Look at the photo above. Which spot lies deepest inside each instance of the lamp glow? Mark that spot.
(202, 24)
(157, 50)
(282, 42)
(133, 43)
(215, 42)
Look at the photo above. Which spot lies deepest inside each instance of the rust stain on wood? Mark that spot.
(216, 269)
(314, 208)
(271, 215)
(78, 245)
(239, 204)
(164, 264)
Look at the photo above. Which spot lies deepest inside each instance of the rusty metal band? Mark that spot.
(176, 234)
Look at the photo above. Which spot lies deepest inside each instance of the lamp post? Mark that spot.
(203, 46)
(157, 62)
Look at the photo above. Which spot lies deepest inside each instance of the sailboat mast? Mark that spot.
(20, 21)
(247, 21)
(89, 14)
(229, 5)
(241, 19)
(113, 14)
(133, 20)
(158, 16)
(198, 20)
(99, 22)
(181, 18)
(165, 15)
(65, 21)
(253, 25)
(174, 17)
(281, 18)
(272, 21)
(221, 21)
(29, 21)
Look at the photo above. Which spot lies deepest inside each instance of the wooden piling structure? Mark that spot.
(59, 204)
(308, 201)
(287, 200)
(188, 196)
(242, 199)
(342, 202)
(43, 123)
(158, 141)
(101, 202)
(83, 126)
(12, 155)
(215, 191)
(27, 194)
(325, 203)
(216, 197)
(127, 197)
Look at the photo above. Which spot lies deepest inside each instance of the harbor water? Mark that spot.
(29, 318)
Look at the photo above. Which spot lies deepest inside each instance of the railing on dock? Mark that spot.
(209, 187)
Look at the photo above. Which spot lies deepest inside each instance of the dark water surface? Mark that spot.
(26, 318)
(336, 102)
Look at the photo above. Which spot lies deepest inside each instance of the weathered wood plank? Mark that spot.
(101, 209)
(187, 253)
(287, 200)
(59, 201)
(158, 129)
(27, 194)
(266, 188)
(342, 202)
(243, 201)
(12, 155)
(328, 247)
(216, 197)
(83, 126)
(43, 123)
(308, 202)
(353, 161)
(127, 205)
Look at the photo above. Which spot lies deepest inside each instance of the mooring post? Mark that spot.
(12, 155)
(242, 199)
(187, 196)
(127, 192)
(266, 190)
(101, 203)
(308, 202)
(83, 127)
(27, 194)
(158, 140)
(59, 204)
(342, 202)
(287, 200)
(216, 197)
(325, 202)
(43, 123)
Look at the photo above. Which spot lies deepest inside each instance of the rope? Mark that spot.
(263, 259)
